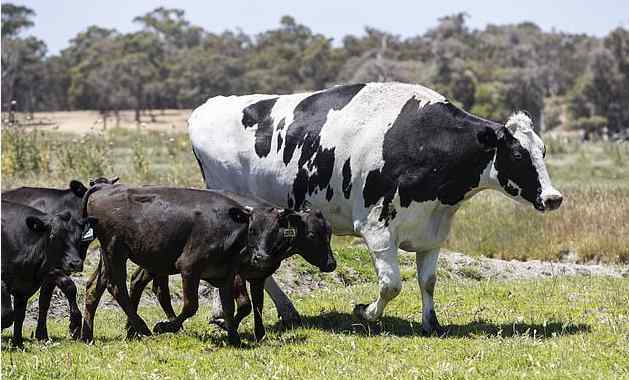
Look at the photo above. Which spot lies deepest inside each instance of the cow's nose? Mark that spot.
(552, 201)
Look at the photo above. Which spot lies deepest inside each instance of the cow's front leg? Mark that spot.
(427, 278)
(385, 258)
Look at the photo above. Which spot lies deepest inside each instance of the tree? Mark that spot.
(15, 19)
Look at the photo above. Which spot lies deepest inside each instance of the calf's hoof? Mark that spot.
(17, 343)
(233, 339)
(75, 327)
(41, 333)
(166, 327)
(220, 322)
(87, 335)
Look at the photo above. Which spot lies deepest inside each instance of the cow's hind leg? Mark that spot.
(427, 278)
(190, 284)
(385, 258)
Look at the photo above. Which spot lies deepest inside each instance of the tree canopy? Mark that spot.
(170, 63)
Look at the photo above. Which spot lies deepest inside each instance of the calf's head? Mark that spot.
(275, 234)
(519, 165)
(67, 239)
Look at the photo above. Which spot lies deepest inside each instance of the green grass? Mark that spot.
(557, 328)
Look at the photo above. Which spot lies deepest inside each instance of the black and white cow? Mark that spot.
(390, 162)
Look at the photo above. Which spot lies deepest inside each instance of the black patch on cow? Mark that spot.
(429, 153)
(329, 193)
(279, 142)
(347, 179)
(300, 188)
(309, 117)
(260, 113)
(513, 162)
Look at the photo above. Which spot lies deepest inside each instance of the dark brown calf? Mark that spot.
(199, 234)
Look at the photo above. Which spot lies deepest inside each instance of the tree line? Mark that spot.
(557, 77)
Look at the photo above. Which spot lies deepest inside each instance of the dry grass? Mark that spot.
(594, 178)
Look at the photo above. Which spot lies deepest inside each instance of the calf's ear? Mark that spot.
(77, 188)
(239, 215)
(36, 224)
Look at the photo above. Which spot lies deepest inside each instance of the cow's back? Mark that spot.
(288, 149)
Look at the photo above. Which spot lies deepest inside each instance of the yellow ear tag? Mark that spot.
(290, 233)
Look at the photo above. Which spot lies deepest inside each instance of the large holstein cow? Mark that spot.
(390, 162)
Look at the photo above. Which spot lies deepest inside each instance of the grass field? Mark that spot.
(560, 328)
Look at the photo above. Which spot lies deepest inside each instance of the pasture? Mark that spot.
(559, 327)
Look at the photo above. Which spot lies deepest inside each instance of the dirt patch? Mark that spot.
(482, 268)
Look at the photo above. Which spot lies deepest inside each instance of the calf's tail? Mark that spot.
(86, 196)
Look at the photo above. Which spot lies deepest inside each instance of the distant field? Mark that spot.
(594, 178)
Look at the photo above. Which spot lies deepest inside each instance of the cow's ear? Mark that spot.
(77, 188)
(240, 214)
(488, 138)
(36, 224)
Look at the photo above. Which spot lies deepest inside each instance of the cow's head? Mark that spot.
(67, 238)
(519, 165)
(275, 234)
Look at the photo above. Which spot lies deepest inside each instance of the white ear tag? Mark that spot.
(88, 235)
(290, 233)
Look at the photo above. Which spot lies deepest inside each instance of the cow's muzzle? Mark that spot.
(552, 201)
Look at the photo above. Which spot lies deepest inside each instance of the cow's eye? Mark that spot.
(311, 235)
(517, 155)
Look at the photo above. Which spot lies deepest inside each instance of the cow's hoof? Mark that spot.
(41, 334)
(220, 322)
(87, 335)
(360, 312)
(431, 327)
(166, 327)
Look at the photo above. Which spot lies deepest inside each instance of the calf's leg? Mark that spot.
(257, 295)
(227, 301)
(427, 278)
(7, 307)
(94, 290)
(285, 309)
(190, 285)
(115, 261)
(243, 303)
(67, 286)
(19, 311)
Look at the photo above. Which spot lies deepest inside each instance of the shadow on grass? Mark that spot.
(347, 323)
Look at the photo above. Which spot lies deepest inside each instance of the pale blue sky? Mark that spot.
(57, 21)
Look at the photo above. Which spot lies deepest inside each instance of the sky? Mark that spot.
(57, 21)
